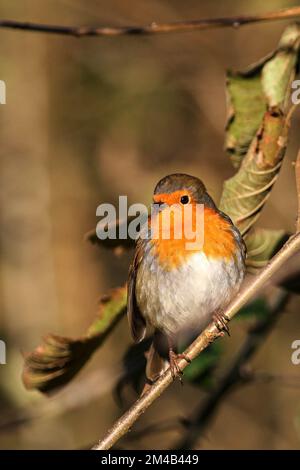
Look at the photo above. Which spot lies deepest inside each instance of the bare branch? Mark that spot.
(207, 336)
(153, 28)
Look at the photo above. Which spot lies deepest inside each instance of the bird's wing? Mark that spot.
(237, 235)
(137, 323)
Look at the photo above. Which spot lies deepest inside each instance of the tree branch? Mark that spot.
(124, 424)
(152, 28)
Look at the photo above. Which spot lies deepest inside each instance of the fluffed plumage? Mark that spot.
(176, 290)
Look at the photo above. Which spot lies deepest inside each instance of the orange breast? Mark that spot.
(218, 240)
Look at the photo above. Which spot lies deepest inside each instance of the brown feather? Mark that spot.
(156, 364)
(136, 321)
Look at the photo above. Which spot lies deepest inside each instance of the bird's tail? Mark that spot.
(156, 362)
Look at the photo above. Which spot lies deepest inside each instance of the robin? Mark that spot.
(173, 288)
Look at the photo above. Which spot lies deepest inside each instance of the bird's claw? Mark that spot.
(221, 320)
(174, 366)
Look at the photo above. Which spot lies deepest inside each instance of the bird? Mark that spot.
(175, 289)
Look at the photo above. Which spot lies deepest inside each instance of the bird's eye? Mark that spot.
(184, 199)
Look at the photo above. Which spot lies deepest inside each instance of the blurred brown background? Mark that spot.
(87, 120)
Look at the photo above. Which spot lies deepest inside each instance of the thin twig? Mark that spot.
(233, 376)
(153, 28)
(123, 425)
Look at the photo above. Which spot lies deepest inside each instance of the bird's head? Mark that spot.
(182, 189)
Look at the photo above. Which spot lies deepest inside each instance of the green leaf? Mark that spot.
(258, 308)
(246, 109)
(200, 371)
(262, 244)
(111, 307)
(280, 70)
(263, 86)
(245, 194)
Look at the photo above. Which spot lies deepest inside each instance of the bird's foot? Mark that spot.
(174, 366)
(221, 320)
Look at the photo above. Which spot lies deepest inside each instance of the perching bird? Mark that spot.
(173, 288)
